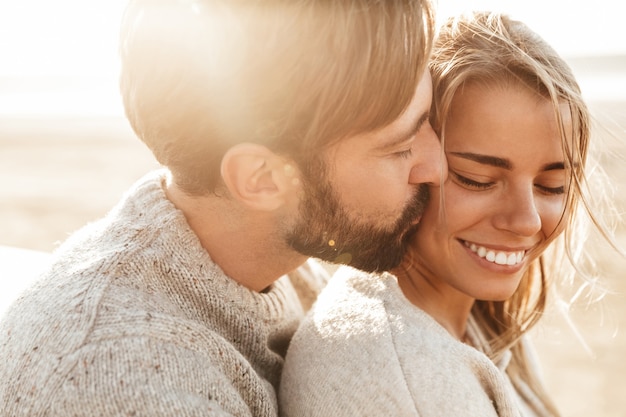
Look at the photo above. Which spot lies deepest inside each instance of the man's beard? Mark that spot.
(324, 230)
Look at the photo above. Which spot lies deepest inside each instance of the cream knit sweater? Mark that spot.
(134, 319)
(365, 350)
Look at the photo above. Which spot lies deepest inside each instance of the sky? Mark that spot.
(77, 40)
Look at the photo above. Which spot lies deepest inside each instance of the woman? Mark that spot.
(444, 334)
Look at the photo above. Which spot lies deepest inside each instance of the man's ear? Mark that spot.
(257, 177)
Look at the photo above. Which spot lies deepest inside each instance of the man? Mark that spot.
(287, 129)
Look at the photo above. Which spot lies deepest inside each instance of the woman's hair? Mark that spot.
(199, 76)
(488, 49)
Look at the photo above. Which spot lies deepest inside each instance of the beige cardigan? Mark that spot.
(365, 350)
(134, 319)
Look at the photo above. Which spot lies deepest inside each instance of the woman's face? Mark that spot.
(505, 192)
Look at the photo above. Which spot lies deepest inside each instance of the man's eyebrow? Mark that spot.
(404, 136)
(502, 162)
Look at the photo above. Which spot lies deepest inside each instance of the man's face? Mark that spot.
(364, 197)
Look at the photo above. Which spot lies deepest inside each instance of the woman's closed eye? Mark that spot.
(479, 185)
(469, 183)
(551, 190)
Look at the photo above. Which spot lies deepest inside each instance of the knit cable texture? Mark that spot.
(134, 319)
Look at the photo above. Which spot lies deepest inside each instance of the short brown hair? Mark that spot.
(294, 75)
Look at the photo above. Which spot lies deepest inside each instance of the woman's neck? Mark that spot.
(448, 306)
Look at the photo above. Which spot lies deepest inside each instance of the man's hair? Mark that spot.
(294, 75)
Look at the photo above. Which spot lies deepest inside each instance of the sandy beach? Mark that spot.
(59, 173)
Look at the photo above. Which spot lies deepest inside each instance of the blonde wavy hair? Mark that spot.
(491, 48)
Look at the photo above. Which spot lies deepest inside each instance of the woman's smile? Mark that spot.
(500, 257)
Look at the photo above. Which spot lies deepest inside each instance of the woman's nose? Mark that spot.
(518, 213)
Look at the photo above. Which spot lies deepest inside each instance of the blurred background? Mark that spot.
(67, 154)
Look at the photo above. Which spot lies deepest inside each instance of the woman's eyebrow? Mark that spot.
(485, 159)
(554, 166)
(502, 162)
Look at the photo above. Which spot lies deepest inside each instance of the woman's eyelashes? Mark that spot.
(478, 185)
(551, 190)
(469, 183)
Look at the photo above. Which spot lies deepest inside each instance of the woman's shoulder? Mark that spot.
(354, 302)
(345, 339)
(363, 331)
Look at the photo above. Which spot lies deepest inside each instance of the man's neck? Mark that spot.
(245, 244)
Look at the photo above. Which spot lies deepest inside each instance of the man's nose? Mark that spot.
(430, 166)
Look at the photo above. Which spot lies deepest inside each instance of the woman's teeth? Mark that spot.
(497, 257)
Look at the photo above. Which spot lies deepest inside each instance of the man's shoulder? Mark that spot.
(112, 346)
(149, 375)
